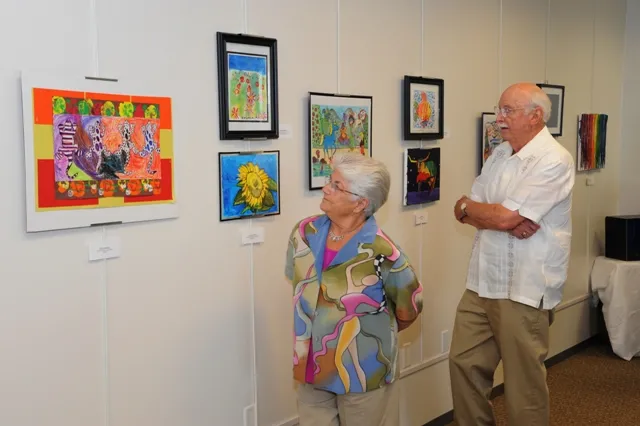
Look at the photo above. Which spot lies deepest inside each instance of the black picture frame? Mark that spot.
(434, 126)
(350, 118)
(556, 95)
(489, 136)
(258, 56)
(234, 203)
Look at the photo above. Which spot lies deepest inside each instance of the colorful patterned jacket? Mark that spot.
(350, 311)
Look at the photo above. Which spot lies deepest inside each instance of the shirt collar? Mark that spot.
(366, 235)
(534, 144)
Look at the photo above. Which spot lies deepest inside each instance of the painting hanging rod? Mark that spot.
(254, 139)
(340, 95)
(251, 35)
(112, 80)
(119, 222)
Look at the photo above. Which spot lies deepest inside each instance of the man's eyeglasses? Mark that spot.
(334, 187)
(506, 111)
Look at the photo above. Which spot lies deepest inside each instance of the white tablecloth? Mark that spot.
(617, 284)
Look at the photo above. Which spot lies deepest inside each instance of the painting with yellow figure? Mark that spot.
(423, 108)
(424, 113)
(249, 184)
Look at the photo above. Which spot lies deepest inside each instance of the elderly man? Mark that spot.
(521, 207)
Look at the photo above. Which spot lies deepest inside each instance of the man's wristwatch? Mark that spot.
(463, 208)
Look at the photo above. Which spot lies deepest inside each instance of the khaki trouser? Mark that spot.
(378, 407)
(484, 332)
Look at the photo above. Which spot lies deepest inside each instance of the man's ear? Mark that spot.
(538, 114)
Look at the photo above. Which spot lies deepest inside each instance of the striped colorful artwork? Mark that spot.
(96, 152)
(592, 141)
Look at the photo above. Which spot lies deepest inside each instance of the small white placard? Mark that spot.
(253, 235)
(104, 248)
(446, 135)
(285, 131)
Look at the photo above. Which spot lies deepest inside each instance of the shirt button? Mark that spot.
(510, 263)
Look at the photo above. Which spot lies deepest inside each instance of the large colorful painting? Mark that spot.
(94, 155)
(248, 87)
(490, 138)
(421, 175)
(337, 124)
(249, 184)
(592, 141)
(423, 108)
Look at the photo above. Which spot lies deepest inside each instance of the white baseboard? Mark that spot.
(293, 421)
(424, 364)
(573, 302)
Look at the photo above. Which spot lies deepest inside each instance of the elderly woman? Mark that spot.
(353, 291)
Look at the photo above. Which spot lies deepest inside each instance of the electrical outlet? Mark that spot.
(446, 341)
(421, 218)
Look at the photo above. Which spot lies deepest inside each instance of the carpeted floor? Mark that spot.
(593, 387)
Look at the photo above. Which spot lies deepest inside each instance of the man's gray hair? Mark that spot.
(540, 99)
(367, 177)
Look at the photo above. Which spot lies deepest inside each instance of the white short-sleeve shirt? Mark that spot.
(537, 181)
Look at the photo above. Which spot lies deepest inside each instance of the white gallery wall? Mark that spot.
(164, 334)
(630, 148)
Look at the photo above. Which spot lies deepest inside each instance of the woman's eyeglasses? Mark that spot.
(334, 187)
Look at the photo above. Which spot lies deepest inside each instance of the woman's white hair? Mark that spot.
(540, 99)
(367, 177)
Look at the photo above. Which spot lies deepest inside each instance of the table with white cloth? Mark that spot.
(617, 284)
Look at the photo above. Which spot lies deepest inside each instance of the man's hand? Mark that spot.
(457, 211)
(525, 230)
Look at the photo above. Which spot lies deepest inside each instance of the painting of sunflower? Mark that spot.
(249, 184)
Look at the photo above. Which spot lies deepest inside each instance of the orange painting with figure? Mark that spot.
(100, 150)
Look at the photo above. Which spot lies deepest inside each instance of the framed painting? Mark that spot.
(247, 87)
(421, 175)
(423, 108)
(556, 95)
(592, 141)
(337, 123)
(249, 184)
(490, 136)
(96, 152)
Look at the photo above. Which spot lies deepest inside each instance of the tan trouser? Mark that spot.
(484, 332)
(379, 407)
